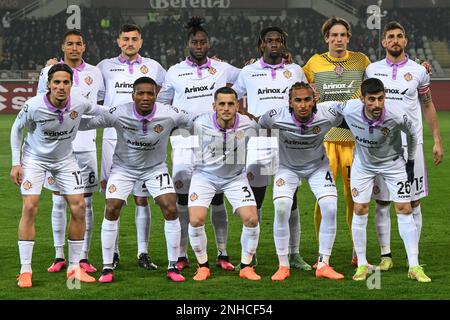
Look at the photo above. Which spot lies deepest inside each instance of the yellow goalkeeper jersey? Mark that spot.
(337, 79)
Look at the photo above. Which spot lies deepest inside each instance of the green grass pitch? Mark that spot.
(132, 282)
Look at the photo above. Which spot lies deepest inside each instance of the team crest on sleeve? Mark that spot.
(316, 130)
(178, 184)
(408, 76)
(88, 80)
(287, 74)
(27, 185)
(112, 188)
(280, 182)
(144, 69)
(355, 192)
(212, 70)
(158, 128)
(194, 196)
(51, 180)
(385, 131)
(272, 113)
(250, 176)
(339, 70)
(73, 115)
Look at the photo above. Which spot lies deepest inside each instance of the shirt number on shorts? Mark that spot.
(248, 193)
(161, 179)
(78, 177)
(404, 187)
(329, 177)
(417, 181)
(91, 177)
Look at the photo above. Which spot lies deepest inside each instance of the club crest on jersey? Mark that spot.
(240, 134)
(355, 192)
(212, 70)
(339, 70)
(158, 128)
(280, 182)
(316, 130)
(112, 188)
(385, 131)
(178, 184)
(376, 190)
(144, 69)
(408, 76)
(194, 196)
(51, 180)
(287, 74)
(73, 115)
(27, 185)
(88, 80)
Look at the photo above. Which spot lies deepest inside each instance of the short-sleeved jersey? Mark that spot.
(87, 81)
(222, 152)
(403, 83)
(337, 79)
(119, 75)
(301, 144)
(378, 143)
(192, 87)
(267, 86)
(141, 140)
(50, 130)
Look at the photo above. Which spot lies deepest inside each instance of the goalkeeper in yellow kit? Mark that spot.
(337, 76)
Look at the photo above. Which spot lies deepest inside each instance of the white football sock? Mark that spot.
(109, 235)
(172, 231)
(408, 232)
(294, 232)
(116, 240)
(383, 226)
(25, 253)
(59, 221)
(282, 208)
(89, 226)
(359, 226)
(327, 230)
(249, 243)
(417, 216)
(197, 238)
(75, 247)
(143, 222)
(219, 220)
(183, 215)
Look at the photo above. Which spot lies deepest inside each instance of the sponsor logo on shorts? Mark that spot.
(355, 192)
(27, 185)
(280, 182)
(408, 76)
(287, 74)
(73, 115)
(51, 180)
(158, 128)
(144, 69)
(316, 130)
(179, 184)
(385, 131)
(194, 196)
(212, 70)
(376, 190)
(88, 80)
(112, 188)
(250, 176)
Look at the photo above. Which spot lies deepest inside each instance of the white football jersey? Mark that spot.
(266, 86)
(141, 140)
(87, 81)
(119, 75)
(403, 83)
(50, 130)
(301, 144)
(192, 87)
(378, 143)
(222, 152)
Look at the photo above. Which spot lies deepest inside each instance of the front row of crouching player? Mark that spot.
(143, 130)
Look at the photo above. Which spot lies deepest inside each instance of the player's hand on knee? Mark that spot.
(410, 170)
(16, 175)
